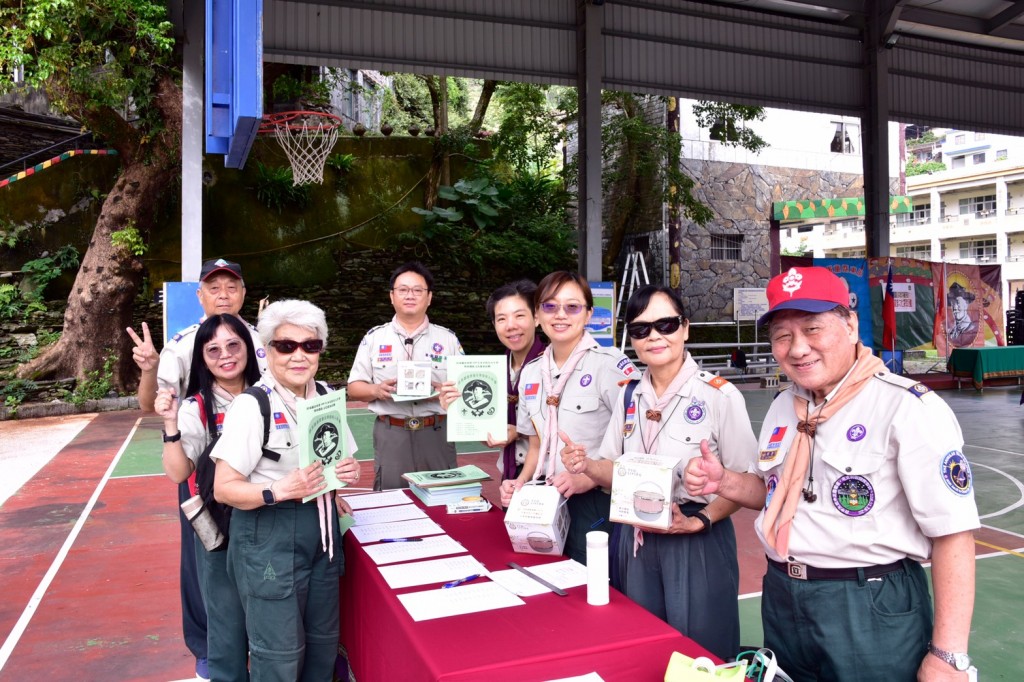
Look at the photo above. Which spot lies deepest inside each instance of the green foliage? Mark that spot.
(928, 138)
(276, 188)
(530, 128)
(519, 226)
(915, 167)
(308, 95)
(97, 383)
(15, 391)
(11, 235)
(15, 305)
(722, 118)
(341, 163)
(129, 240)
(43, 270)
(45, 337)
(799, 251)
(90, 56)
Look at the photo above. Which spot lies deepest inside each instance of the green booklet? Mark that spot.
(432, 479)
(323, 435)
(482, 407)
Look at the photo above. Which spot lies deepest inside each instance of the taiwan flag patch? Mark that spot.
(530, 391)
(279, 421)
(778, 433)
(219, 422)
(384, 353)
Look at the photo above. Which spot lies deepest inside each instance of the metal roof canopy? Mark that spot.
(933, 62)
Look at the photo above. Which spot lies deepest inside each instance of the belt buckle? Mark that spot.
(796, 570)
(413, 423)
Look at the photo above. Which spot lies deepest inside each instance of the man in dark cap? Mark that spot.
(860, 476)
(221, 291)
(963, 330)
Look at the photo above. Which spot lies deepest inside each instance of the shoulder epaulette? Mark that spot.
(906, 383)
(715, 381)
(183, 333)
(443, 328)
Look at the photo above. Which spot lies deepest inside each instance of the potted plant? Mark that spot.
(414, 130)
(386, 129)
(358, 130)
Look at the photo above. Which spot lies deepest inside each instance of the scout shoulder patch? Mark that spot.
(906, 383)
(715, 381)
(956, 472)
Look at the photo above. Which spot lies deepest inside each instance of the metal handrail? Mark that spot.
(64, 142)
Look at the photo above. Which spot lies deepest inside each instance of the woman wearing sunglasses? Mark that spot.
(688, 575)
(223, 365)
(568, 393)
(285, 556)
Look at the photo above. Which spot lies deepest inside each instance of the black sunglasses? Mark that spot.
(287, 346)
(666, 325)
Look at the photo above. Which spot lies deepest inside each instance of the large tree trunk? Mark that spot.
(100, 304)
(437, 158)
(481, 105)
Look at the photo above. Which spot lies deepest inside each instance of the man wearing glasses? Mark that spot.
(221, 291)
(408, 435)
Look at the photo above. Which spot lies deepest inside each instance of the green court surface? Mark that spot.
(142, 456)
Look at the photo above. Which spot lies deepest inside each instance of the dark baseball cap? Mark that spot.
(212, 267)
(811, 290)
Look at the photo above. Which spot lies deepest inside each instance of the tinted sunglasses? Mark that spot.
(287, 346)
(230, 348)
(569, 308)
(666, 325)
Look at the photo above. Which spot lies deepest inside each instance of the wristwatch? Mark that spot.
(268, 496)
(957, 660)
(171, 439)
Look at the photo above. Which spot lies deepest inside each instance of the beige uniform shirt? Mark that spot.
(889, 472)
(586, 403)
(706, 407)
(176, 358)
(384, 347)
(194, 435)
(241, 442)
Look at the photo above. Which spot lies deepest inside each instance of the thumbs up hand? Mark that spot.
(703, 474)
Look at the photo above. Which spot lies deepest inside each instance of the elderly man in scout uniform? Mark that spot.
(221, 291)
(860, 476)
(408, 435)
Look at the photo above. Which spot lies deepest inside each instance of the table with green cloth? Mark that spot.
(979, 364)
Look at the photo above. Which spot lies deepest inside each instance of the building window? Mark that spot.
(1001, 154)
(918, 251)
(846, 139)
(853, 254)
(805, 228)
(978, 158)
(959, 162)
(921, 215)
(984, 250)
(981, 207)
(979, 136)
(726, 246)
(960, 139)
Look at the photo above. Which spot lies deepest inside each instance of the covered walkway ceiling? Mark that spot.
(953, 63)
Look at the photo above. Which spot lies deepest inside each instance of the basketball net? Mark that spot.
(307, 146)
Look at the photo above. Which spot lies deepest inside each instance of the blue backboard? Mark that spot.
(234, 77)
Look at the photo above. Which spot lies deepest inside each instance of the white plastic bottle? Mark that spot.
(597, 568)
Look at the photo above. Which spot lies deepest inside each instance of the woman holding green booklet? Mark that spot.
(285, 556)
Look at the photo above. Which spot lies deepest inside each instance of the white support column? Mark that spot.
(1002, 197)
(590, 68)
(192, 133)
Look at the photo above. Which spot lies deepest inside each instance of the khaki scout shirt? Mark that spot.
(176, 358)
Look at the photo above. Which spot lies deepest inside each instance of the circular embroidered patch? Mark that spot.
(695, 413)
(956, 472)
(586, 379)
(853, 495)
(856, 432)
(770, 485)
(438, 348)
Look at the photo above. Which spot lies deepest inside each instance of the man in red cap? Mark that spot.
(860, 476)
(221, 291)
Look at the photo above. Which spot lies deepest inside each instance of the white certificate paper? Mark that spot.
(413, 528)
(393, 552)
(430, 572)
(323, 435)
(563, 574)
(382, 499)
(482, 407)
(469, 598)
(366, 517)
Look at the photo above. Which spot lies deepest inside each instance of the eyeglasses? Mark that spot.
(287, 346)
(569, 308)
(230, 348)
(666, 325)
(407, 291)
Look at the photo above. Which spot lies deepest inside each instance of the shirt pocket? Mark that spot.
(853, 478)
(581, 405)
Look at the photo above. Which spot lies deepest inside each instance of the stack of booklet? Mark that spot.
(436, 488)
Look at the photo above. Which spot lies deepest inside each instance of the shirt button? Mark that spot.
(792, 558)
(848, 469)
(687, 439)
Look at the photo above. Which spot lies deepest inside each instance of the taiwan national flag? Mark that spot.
(530, 390)
(888, 315)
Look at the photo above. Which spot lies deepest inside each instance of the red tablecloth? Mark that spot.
(550, 637)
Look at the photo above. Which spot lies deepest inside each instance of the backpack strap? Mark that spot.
(264, 402)
(627, 395)
(321, 388)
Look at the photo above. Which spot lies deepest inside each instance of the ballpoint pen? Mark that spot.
(401, 539)
(456, 583)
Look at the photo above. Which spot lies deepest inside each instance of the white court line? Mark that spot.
(33, 603)
(1020, 489)
(1005, 452)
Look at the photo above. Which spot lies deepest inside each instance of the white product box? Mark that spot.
(537, 520)
(642, 489)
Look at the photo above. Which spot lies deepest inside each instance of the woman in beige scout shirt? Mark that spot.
(570, 390)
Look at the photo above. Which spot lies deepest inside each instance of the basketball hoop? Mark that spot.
(307, 138)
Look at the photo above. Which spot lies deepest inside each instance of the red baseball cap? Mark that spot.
(812, 290)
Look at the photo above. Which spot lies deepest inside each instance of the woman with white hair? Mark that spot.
(285, 556)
